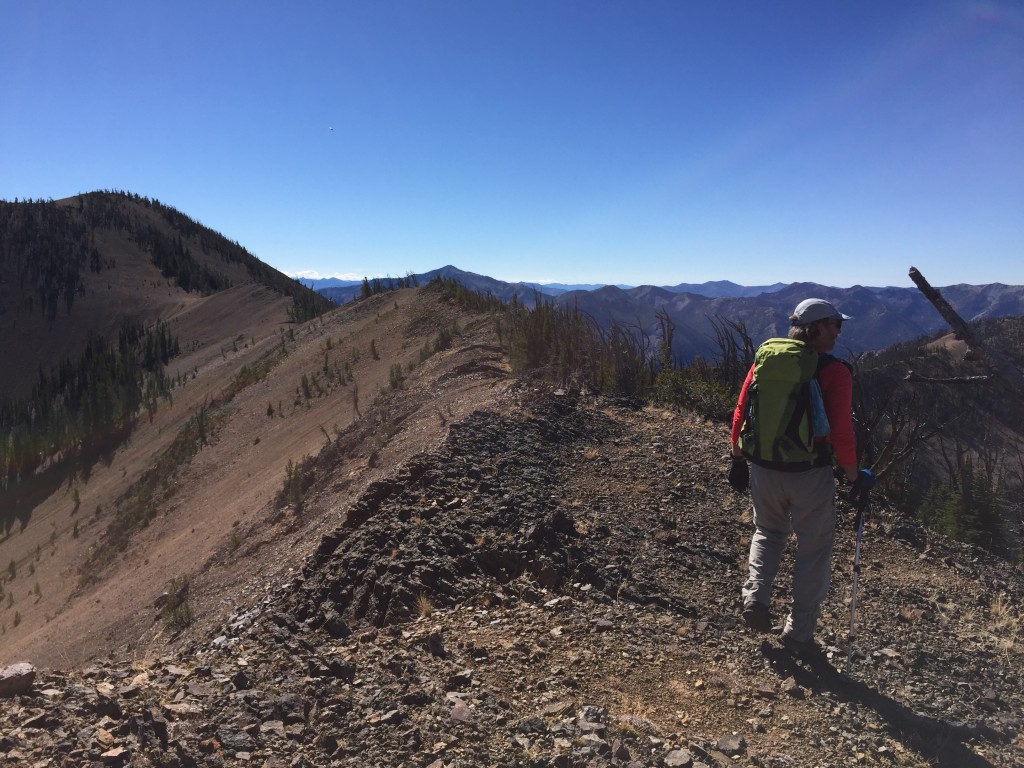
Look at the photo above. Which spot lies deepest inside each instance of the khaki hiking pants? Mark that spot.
(802, 503)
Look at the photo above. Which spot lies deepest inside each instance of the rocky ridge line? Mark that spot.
(556, 586)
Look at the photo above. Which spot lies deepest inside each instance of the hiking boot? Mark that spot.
(757, 616)
(804, 649)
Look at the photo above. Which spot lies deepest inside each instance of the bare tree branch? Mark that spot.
(911, 376)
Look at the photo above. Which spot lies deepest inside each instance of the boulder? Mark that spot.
(16, 679)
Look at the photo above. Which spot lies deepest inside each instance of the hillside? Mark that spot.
(110, 304)
(70, 579)
(479, 571)
(86, 264)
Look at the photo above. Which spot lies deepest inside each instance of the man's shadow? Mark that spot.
(940, 741)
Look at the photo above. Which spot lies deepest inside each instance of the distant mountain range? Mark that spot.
(340, 291)
(882, 315)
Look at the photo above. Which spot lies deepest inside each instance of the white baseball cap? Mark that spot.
(811, 310)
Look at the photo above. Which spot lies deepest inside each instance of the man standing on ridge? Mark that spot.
(792, 485)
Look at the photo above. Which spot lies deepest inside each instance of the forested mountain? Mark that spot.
(80, 266)
(94, 291)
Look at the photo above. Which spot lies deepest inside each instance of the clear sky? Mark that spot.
(636, 141)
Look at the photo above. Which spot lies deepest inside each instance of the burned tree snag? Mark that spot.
(1007, 373)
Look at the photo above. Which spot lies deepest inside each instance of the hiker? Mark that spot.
(792, 488)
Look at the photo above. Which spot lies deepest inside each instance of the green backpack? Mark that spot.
(785, 410)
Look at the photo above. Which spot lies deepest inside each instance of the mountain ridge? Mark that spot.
(710, 288)
(882, 315)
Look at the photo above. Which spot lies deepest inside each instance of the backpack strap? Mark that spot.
(824, 450)
(824, 360)
(802, 405)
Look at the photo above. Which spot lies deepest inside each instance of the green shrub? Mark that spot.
(177, 611)
(397, 378)
(298, 477)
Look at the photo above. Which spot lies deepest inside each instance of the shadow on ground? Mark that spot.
(941, 741)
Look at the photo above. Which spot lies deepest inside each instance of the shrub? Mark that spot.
(696, 388)
(177, 612)
(298, 477)
(445, 336)
(396, 376)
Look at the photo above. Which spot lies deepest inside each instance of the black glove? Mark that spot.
(858, 493)
(866, 479)
(739, 474)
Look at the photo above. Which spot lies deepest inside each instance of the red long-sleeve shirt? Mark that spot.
(836, 383)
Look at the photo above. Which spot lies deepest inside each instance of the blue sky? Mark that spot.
(590, 141)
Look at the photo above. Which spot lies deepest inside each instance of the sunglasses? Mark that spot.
(838, 322)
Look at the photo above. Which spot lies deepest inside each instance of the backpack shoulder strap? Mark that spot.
(825, 359)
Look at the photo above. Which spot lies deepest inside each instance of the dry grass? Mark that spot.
(1004, 624)
(912, 615)
(424, 608)
(681, 688)
(1000, 625)
(632, 706)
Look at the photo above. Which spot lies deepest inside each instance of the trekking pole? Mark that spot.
(859, 498)
(853, 595)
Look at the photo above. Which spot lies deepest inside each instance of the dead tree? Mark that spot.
(892, 422)
(1007, 373)
(735, 350)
